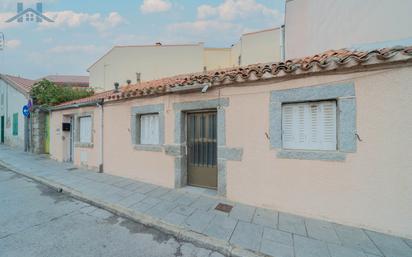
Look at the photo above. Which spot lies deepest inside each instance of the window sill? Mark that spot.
(83, 145)
(311, 155)
(150, 148)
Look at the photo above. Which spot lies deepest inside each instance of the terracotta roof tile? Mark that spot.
(329, 60)
(20, 83)
(72, 80)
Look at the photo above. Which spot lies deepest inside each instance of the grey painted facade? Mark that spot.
(344, 94)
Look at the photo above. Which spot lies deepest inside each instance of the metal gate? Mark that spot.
(202, 149)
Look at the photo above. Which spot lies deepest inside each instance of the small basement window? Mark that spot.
(309, 125)
(149, 129)
(85, 129)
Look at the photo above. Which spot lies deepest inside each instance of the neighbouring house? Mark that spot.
(139, 63)
(27, 133)
(326, 136)
(74, 81)
(14, 127)
(318, 25)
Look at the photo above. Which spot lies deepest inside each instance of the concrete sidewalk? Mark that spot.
(244, 231)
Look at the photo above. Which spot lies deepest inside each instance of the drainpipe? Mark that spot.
(100, 105)
(282, 43)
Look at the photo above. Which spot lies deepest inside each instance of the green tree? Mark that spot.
(47, 93)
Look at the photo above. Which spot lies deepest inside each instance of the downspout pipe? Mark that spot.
(101, 129)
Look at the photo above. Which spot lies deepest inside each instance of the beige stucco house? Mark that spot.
(326, 136)
(139, 63)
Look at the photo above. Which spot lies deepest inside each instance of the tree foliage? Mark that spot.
(47, 93)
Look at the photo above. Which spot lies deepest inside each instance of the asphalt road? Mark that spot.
(35, 220)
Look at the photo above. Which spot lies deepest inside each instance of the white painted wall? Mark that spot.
(314, 26)
(13, 103)
(217, 58)
(153, 62)
(260, 47)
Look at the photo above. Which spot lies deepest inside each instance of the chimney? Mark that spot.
(116, 87)
(138, 77)
(20, 10)
(39, 9)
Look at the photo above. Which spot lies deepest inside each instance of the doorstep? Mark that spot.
(201, 217)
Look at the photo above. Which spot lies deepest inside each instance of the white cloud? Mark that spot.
(234, 9)
(73, 19)
(13, 43)
(201, 26)
(151, 6)
(113, 20)
(229, 18)
(205, 11)
(75, 49)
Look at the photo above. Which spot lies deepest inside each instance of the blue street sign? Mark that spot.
(26, 111)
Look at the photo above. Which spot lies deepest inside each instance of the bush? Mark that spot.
(47, 93)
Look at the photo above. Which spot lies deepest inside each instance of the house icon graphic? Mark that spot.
(29, 14)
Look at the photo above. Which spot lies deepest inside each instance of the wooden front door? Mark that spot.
(202, 149)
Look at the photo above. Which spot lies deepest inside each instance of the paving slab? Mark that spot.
(242, 212)
(161, 209)
(183, 209)
(132, 199)
(204, 203)
(356, 238)
(247, 235)
(390, 246)
(341, 251)
(186, 199)
(321, 230)
(158, 192)
(308, 247)
(198, 220)
(277, 236)
(292, 223)
(276, 249)
(266, 217)
(221, 227)
(174, 218)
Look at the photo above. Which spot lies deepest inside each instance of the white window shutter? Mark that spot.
(149, 129)
(85, 124)
(309, 126)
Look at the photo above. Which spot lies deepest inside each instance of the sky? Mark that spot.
(84, 30)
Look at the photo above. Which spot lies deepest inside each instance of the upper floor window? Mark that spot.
(309, 125)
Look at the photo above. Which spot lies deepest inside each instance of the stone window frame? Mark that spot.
(343, 94)
(178, 149)
(136, 113)
(77, 142)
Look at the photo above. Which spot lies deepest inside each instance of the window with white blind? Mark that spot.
(85, 129)
(149, 129)
(309, 126)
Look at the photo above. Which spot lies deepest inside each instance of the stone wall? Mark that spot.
(38, 130)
